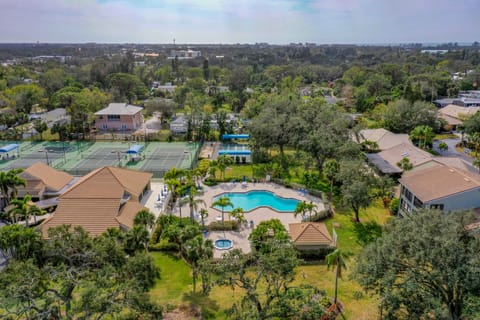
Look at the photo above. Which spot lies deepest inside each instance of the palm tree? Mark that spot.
(136, 239)
(337, 259)
(173, 184)
(193, 203)
(223, 162)
(24, 209)
(194, 251)
(239, 215)
(422, 133)
(203, 214)
(302, 208)
(144, 218)
(9, 181)
(475, 140)
(174, 173)
(223, 202)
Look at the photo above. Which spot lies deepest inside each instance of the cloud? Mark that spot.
(225, 21)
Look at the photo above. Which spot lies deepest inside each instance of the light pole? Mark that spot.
(46, 155)
(118, 157)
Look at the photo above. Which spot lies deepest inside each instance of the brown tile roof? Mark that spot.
(128, 213)
(405, 150)
(310, 233)
(94, 215)
(452, 112)
(52, 178)
(384, 138)
(94, 202)
(109, 182)
(438, 181)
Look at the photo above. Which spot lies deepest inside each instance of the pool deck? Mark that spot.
(240, 239)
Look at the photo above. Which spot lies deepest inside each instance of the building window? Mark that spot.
(407, 193)
(437, 206)
(113, 117)
(100, 117)
(105, 126)
(417, 203)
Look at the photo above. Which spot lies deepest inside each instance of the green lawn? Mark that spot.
(174, 289)
(175, 279)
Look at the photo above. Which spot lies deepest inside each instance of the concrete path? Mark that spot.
(240, 239)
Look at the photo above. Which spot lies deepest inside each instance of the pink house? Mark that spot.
(119, 117)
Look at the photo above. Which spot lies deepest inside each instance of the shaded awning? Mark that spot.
(235, 136)
(9, 147)
(382, 164)
(235, 152)
(136, 148)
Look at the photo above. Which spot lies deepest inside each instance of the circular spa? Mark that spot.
(252, 200)
(223, 244)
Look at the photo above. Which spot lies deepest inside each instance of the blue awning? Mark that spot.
(9, 147)
(235, 136)
(136, 148)
(235, 152)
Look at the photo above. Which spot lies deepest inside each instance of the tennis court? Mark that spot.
(105, 156)
(30, 153)
(80, 158)
(155, 157)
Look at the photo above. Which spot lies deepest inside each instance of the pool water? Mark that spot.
(223, 244)
(253, 199)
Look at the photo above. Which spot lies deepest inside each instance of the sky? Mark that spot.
(240, 21)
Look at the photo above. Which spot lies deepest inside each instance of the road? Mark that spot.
(451, 152)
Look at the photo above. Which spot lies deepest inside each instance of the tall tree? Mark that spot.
(144, 218)
(194, 202)
(194, 251)
(423, 135)
(25, 209)
(337, 259)
(9, 181)
(424, 266)
(330, 170)
(223, 162)
(223, 202)
(77, 277)
(358, 183)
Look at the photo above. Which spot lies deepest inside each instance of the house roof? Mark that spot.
(405, 150)
(109, 182)
(384, 138)
(383, 165)
(310, 233)
(438, 181)
(52, 178)
(453, 112)
(119, 109)
(95, 202)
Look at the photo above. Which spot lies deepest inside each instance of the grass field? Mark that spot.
(175, 287)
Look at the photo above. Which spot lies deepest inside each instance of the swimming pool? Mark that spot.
(251, 200)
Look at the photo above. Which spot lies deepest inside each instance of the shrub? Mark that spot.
(228, 226)
(393, 206)
(210, 182)
(164, 246)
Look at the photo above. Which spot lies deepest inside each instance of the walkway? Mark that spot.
(240, 239)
